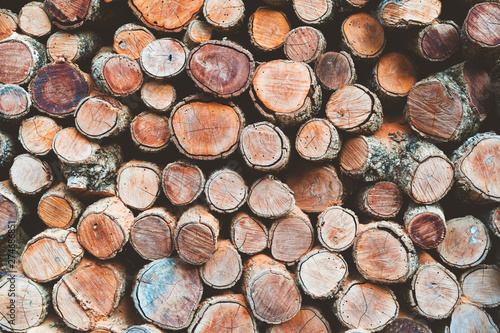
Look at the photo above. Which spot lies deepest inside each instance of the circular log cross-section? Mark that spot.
(426, 225)
(197, 32)
(406, 13)
(226, 16)
(145, 328)
(179, 291)
(59, 207)
(225, 191)
(313, 12)
(33, 20)
(15, 102)
(30, 175)
(164, 58)
(116, 74)
(481, 285)
(71, 146)
(71, 14)
(304, 44)
(268, 28)
(158, 96)
(382, 200)
(468, 317)
(317, 140)
(249, 235)
(337, 228)
(308, 319)
(221, 68)
(363, 36)
(437, 41)
(224, 268)
(37, 133)
(270, 198)
(73, 47)
(150, 132)
(138, 184)
(130, 39)
(335, 70)
(8, 23)
(394, 75)
(182, 182)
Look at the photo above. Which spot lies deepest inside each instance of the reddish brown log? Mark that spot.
(29, 175)
(225, 191)
(8, 23)
(33, 20)
(12, 210)
(426, 225)
(182, 182)
(226, 16)
(334, 70)
(304, 44)
(164, 58)
(224, 268)
(393, 76)
(318, 140)
(363, 36)
(130, 39)
(59, 207)
(138, 184)
(270, 198)
(37, 133)
(308, 319)
(337, 228)
(249, 235)
(268, 28)
(158, 96)
(150, 132)
(381, 200)
(196, 33)
(481, 285)
(15, 102)
(70, 14)
(437, 41)
(406, 13)
(314, 12)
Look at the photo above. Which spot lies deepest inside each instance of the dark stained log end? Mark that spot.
(335, 69)
(427, 230)
(439, 41)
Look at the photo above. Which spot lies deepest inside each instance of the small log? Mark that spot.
(22, 57)
(317, 140)
(321, 273)
(270, 290)
(468, 317)
(403, 14)
(381, 200)
(264, 147)
(11, 249)
(8, 23)
(363, 36)
(406, 324)
(182, 182)
(116, 74)
(291, 237)
(196, 235)
(225, 16)
(316, 12)
(477, 165)
(37, 133)
(158, 96)
(59, 207)
(335, 70)
(69, 14)
(150, 132)
(88, 294)
(270, 198)
(169, 16)
(152, 233)
(179, 291)
(466, 243)
(222, 314)
(308, 319)
(225, 191)
(355, 109)
(164, 58)
(285, 92)
(426, 225)
(204, 129)
(268, 28)
(304, 44)
(224, 268)
(58, 88)
(73, 47)
(138, 184)
(349, 6)
(30, 175)
(315, 188)
(481, 285)
(437, 41)
(12, 210)
(51, 324)
(145, 328)
(492, 220)
(221, 68)
(393, 76)
(248, 234)
(24, 304)
(130, 39)
(337, 228)
(124, 316)
(196, 33)
(366, 306)
(33, 20)
(7, 149)
(383, 253)
(15, 102)
(104, 227)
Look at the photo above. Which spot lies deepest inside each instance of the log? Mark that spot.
(33, 20)
(263, 278)
(348, 6)
(304, 44)
(182, 182)
(225, 191)
(73, 47)
(404, 324)
(59, 207)
(492, 220)
(152, 233)
(130, 39)
(123, 317)
(196, 234)
(179, 291)
(15, 102)
(437, 41)
(381, 200)
(321, 273)
(51, 254)
(308, 319)
(270, 198)
(318, 140)
(51, 324)
(225, 16)
(291, 237)
(285, 92)
(138, 184)
(393, 76)
(68, 14)
(197, 32)
(383, 253)
(22, 57)
(481, 285)
(204, 129)
(104, 227)
(224, 268)
(468, 317)
(145, 328)
(37, 133)
(248, 234)
(169, 16)
(265, 147)
(335, 70)
(268, 28)
(7, 149)
(11, 249)
(403, 14)
(426, 225)
(221, 68)
(30, 175)
(315, 188)
(355, 109)
(12, 209)
(158, 96)
(150, 132)
(363, 36)
(316, 12)
(466, 243)
(164, 58)
(337, 228)
(8, 23)
(57, 89)
(476, 169)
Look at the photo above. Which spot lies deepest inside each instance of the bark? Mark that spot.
(130, 39)
(363, 36)
(138, 184)
(305, 44)
(150, 132)
(268, 28)
(491, 218)
(337, 228)
(335, 70)
(405, 324)
(182, 182)
(158, 96)
(51, 324)
(316, 12)
(164, 58)
(8, 23)
(437, 41)
(12, 209)
(403, 14)
(197, 32)
(270, 198)
(318, 140)
(37, 133)
(59, 207)
(33, 20)
(381, 200)
(308, 319)
(73, 47)
(40, 174)
(7, 149)
(15, 102)
(145, 328)
(248, 234)
(70, 14)
(224, 268)
(225, 16)
(480, 285)
(225, 191)
(426, 225)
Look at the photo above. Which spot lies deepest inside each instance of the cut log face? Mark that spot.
(116, 74)
(29, 175)
(437, 41)
(394, 75)
(138, 184)
(37, 133)
(304, 44)
(268, 28)
(72, 47)
(33, 20)
(197, 32)
(363, 36)
(270, 198)
(224, 15)
(313, 12)
(426, 225)
(318, 140)
(8, 23)
(72, 147)
(337, 228)
(308, 319)
(150, 132)
(59, 207)
(145, 328)
(481, 285)
(158, 96)
(405, 13)
(406, 325)
(182, 182)
(66, 14)
(164, 58)
(321, 273)
(470, 318)
(249, 235)
(130, 39)
(11, 209)
(225, 191)
(334, 70)
(224, 268)
(179, 290)
(492, 220)
(221, 68)
(381, 200)
(15, 102)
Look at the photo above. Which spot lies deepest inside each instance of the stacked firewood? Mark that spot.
(249, 166)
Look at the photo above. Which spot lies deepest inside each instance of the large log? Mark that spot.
(403, 14)
(316, 12)
(225, 16)
(59, 207)
(8, 23)
(468, 317)
(481, 285)
(304, 44)
(394, 75)
(69, 14)
(363, 36)
(159, 96)
(437, 41)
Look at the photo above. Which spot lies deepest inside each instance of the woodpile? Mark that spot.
(274, 166)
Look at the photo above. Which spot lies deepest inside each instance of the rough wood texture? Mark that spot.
(437, 41)
(196, 33)
(224, 268)
(8, 23)
(426, 225)
(73, 47)
(104, 227)
(70, 14)
(225, 191)
(7, 149)
(30, 175)
(263, 278)
(316, 12)
(337, 228)
(393, 76)
(248, 234)
(335, 69)
(152, 233)
(33, 20)
(138, 184)
(403, 14)
(268, 28)
(158, 96)
(182, 182)
(304, 44)
(130, 39)
(308, 319)
(196, 235)
(59, 207)
(264, 147)
(150, 132)
(270, 198)
(37, 133)
(179, 291)
(363, 36)
(492, 220)
(15, 102)
(468, 317)
(318, 140)
(226, 16)
(481, 285)
(405, 324)
(51, 324)
(144, 328)
(381, 200)
(12, 210)
(164, 58)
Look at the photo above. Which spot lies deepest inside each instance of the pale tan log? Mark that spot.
(130, 39)
(335, 69)
(337, 228)
(30, 175)
(104, 227)
(403, 14)
(164, 58)
(196, 33)
(8, 23)
(381, 200)
(15, 102)
(37, 133)
(314, 12)
(158, 96)
(150, 132)
(7, 149)
(12, 209)
(59, 207)
(468, 317)
(426, 225)
(33, 20)
(226, 16)
(182, 182)
(481, 285)
(318, 140)
(225, 191)
(308, 319)
(248, 234)
(224, 268)
(270, 198)
(268, 28)
(138, 184)
(363, 36)
(304, 44)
